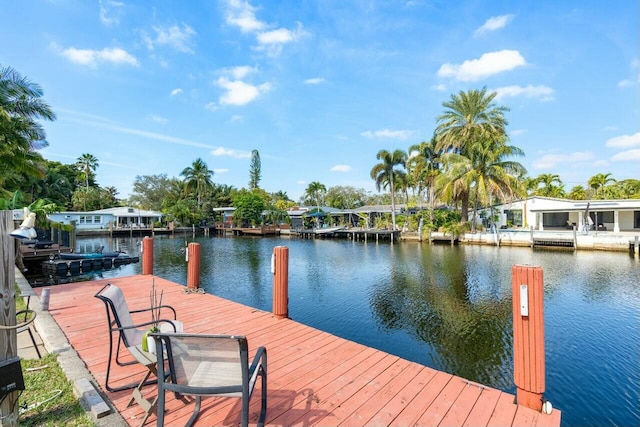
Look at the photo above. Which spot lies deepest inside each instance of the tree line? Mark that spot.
(467, 164)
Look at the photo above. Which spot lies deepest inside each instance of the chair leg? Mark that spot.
(196, 412)
(160, 407)
(263, 409)
(35, 344)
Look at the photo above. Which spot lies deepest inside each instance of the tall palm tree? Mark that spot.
(599, 181)
(385, 174)
(427, 161)
(315, 193)
(21, 106)
(197, 177)
(470, 117)
(87, 164)
(486, 171)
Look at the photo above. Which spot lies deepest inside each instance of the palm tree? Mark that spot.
(427, 162)
(470, 117)
(485, 171)
(21, 105)
(198, 177)
(87, 164)
(577, 193)
(315, 193)
(599, 182)
(386, 175)
(549, 189)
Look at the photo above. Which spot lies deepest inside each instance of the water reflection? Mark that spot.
(467, 330)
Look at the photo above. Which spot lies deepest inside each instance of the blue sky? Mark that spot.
(319, 87)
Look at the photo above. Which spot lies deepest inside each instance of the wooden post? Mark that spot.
(8, 337)
(193, 266)
(147, 255)
(528, 335)
(280, 271)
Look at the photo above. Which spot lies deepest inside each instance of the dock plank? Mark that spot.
(314, 378)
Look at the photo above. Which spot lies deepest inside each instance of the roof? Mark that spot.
(121, 211)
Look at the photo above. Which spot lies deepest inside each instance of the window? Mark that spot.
(606, 216)
(555, 219)
(514, 217)
(97, 219)
(82, 220)
(636, 219)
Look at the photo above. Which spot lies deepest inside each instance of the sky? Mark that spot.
(319, 87)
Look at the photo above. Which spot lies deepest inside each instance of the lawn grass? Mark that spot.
(48, 398)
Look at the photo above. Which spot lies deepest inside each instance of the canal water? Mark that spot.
(445, 307)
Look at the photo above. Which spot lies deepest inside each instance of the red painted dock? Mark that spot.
(314, 378)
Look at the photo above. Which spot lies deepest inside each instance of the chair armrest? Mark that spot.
(138, 325)
(142, 310)
(259, 360)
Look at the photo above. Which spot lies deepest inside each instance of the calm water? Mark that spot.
(445, 307)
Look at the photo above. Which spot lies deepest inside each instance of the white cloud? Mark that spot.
(236, 118)
(279, 36)
(239, 72)
(545, 93)
(340, 168)
(211, 106)
(439, 87)
(387, 133)
(242, 15)
(624, 141)
(239, 92)
(494, 23)
(314, 81)
(625, 156)
(517, 132)
(176, 91)
(550, 160)
(158, 119)
(228, 152)
(175, 37)
(110, 126)
(301, 182)
(487, 65)
(220, 171)
(272, 42)
(110, 7)
(92, 58)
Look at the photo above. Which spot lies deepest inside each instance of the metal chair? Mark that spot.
(129, 334)
(210, 365)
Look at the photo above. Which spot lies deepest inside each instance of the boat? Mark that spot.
(328, 230)
(99, 254)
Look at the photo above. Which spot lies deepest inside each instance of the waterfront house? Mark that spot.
(549, 213)
(120, 217)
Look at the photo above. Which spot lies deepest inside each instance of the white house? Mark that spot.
(120, 217)
(549, 213)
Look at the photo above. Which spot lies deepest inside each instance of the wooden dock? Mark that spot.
(314, 378)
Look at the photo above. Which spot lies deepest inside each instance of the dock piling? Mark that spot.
(280, 271)
(193, 265)
(528, 335)
(147, 255)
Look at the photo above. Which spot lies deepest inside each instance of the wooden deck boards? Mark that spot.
(314, 378)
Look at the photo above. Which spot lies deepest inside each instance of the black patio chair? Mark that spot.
(210, 365)
(129, 334)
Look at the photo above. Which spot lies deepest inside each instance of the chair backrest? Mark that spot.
(114, 299)
(207, 364)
